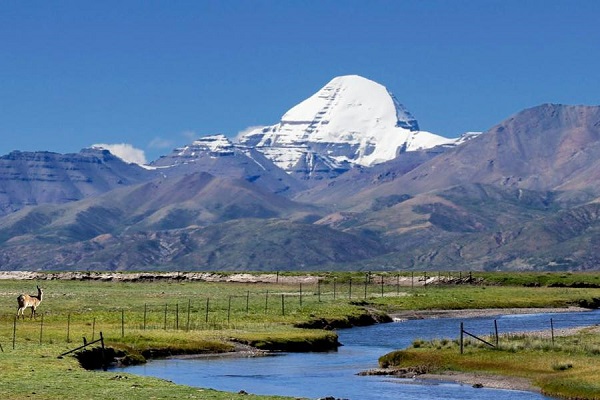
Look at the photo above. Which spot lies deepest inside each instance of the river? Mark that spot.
(315, 375)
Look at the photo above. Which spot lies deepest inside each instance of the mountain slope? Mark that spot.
(30, 178)
(190, 200)
(218, 156)
(549, 147)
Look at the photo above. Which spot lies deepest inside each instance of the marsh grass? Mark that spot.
(569, 367)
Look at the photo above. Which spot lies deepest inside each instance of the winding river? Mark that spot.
(315, 375)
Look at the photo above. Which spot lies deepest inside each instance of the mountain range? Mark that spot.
(345, 180)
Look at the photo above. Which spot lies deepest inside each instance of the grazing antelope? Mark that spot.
(26, 300)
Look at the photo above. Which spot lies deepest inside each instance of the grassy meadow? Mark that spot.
(176, 317)
(567, 368)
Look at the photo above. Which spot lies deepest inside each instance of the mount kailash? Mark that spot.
(346, 179)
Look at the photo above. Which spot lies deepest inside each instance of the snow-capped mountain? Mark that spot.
(350, 121)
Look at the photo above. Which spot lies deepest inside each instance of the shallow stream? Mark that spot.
(315, 375)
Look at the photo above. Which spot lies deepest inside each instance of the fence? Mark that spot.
(545, 330)
(217, 312)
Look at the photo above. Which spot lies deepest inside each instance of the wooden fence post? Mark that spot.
(496, 331)
(14, 331)
(41, 328)
(267, 302)
(247, 302)
(165, 320)
(334, 286)
(229, 309)
(104, 365)
(282, 304)
(319, 289)
(207, 306)
(69, 328)
(187, 327)
(462, 337)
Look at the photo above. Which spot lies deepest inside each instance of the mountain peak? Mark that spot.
(355, 97)
(350, 120)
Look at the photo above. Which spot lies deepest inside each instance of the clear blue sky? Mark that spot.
(154, 74)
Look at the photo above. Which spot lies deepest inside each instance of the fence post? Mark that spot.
(14, 331)
(282, 304)
(104, 366)
(381, 285)
(366, 283)
(165, 320)
(267, 302)
(319, 289)
(334, 286)
(300, 294)
(412, 279)
(350, 289)
(69, 328)
(496, 330)
(552, 330)
(122, 322)
(207, 305)
(177, 316)
(93, 329)
(461, 337)
(187, 328)
(229, 309)
(247, 302)
(41, 328)
(398, 285)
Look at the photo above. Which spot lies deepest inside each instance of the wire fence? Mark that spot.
(209, 313)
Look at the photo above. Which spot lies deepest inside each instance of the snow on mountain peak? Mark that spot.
(350, 120)
(352, 99)
(213, 143)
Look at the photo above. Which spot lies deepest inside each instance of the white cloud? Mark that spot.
(124, 151)
(189, 135)
(160, 143)
(247, 130)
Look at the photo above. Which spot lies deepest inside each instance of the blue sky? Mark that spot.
(158, 74)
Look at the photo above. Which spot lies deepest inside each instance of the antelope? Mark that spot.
(26, 300)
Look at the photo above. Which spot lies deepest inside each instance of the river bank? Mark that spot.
(475, 312)
(555, 362)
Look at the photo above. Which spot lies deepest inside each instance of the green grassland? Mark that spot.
(176, 317)
(568, 367)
